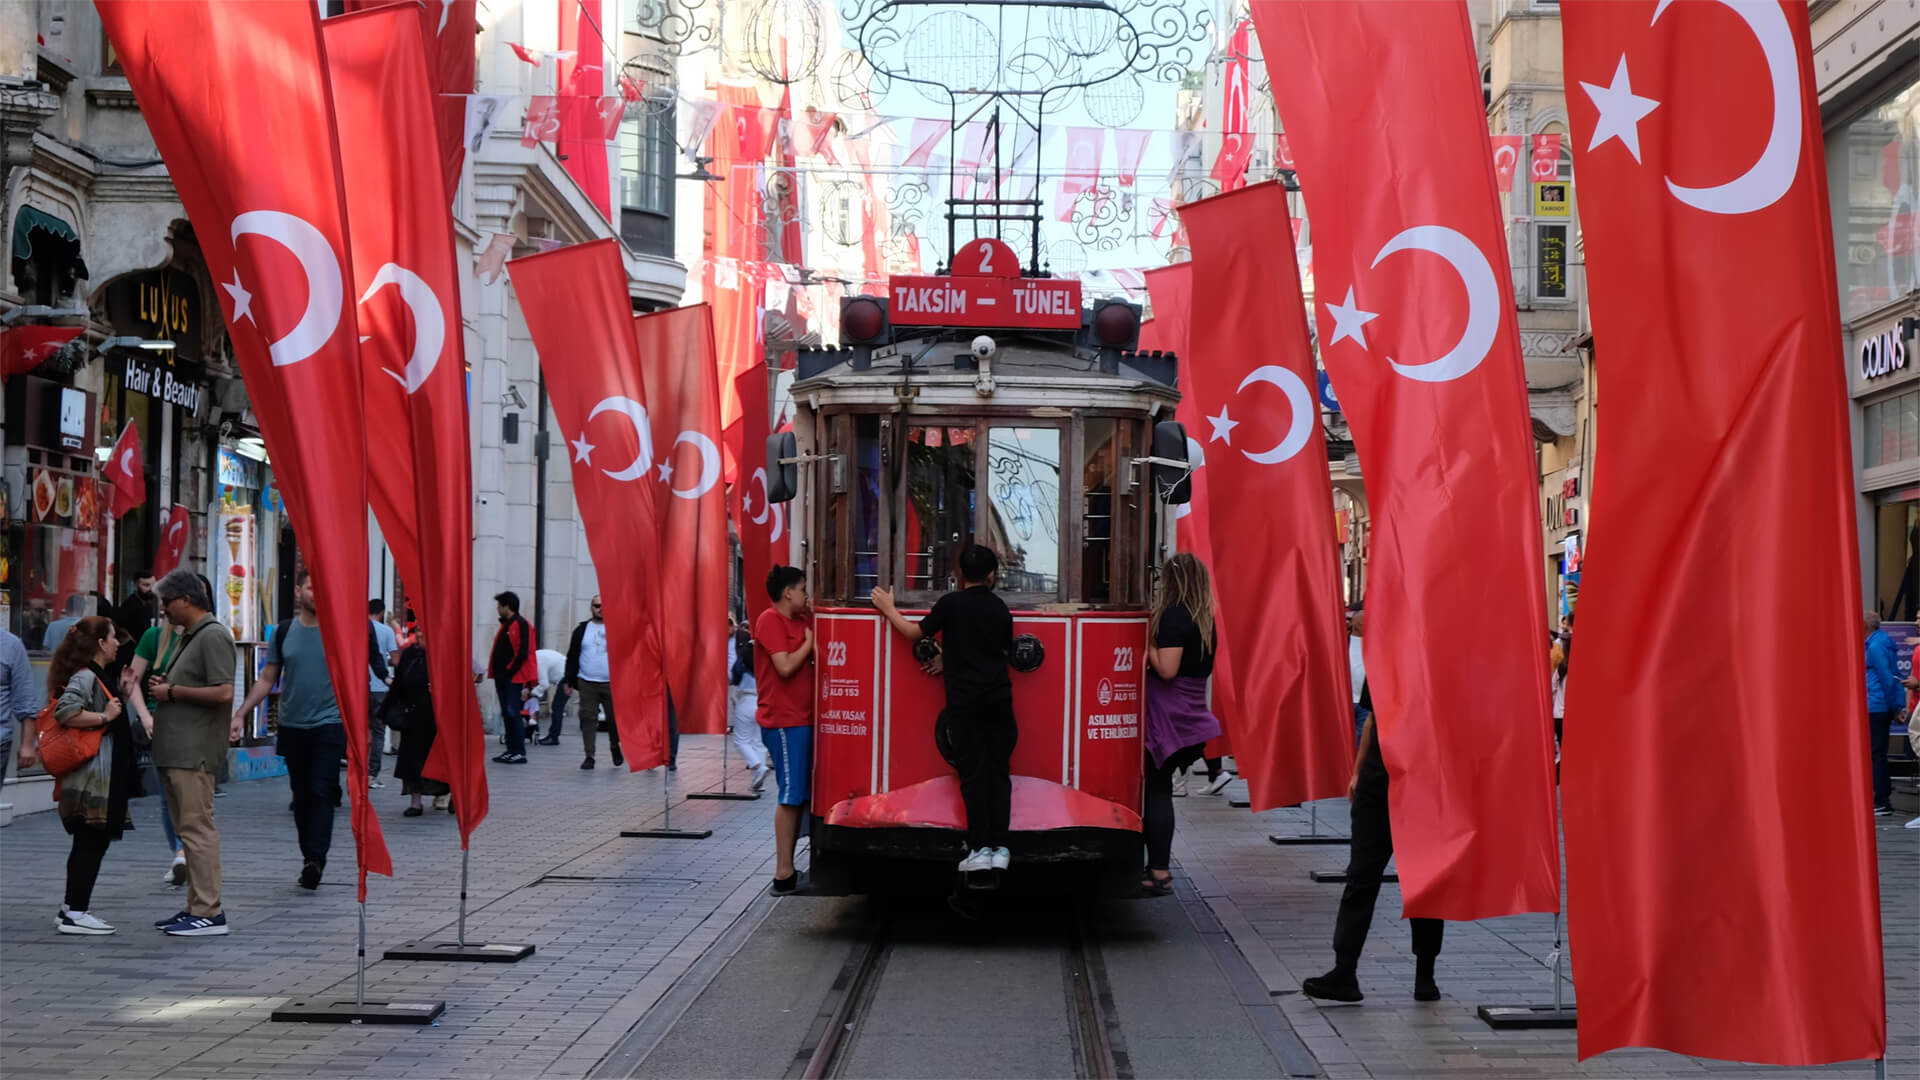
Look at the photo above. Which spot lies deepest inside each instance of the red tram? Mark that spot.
(926, 431)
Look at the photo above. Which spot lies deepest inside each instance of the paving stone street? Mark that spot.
(617, 922)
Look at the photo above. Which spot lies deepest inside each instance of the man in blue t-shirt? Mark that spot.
(311, 736)
(383, 655)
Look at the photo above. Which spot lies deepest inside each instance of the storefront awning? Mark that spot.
(31, 226)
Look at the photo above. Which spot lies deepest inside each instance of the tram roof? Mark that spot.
(1024, 366)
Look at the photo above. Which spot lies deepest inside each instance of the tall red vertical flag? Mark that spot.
(173, 541)
(761, 522)
(1236, 146)
(236, 96)
(683, 398)
(575, 303)
(127, 470)
(1697, 132)
(412, 360)
(1269, 501)
(450, 47)
(1171, 290)
(582, 82)
(732, 241)
(1382, 105)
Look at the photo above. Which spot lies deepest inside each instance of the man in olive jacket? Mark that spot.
(191, 691)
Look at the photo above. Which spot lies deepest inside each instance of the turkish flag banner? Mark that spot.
(1236, 148)
(259, 175)
(1546, 157)
(173, 541)
(413, 365)
(449, 48)
(1267, 482)
(733, 214)
(1697, 128)
(126, 470)
(542, 123)
(682, 388)
(575, 302)
(24, 348)
(1382, 102)
(1506, 159)
(580, 73)
(762, 523)
(1085, 146)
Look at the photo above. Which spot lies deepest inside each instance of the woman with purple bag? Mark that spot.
(1179, 662)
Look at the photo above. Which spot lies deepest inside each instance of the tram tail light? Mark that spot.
(1110, 328)
(1171, 485)
(783, 475)
(864, 320)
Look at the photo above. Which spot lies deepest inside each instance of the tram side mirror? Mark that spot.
(1171, 485)
(783, 480)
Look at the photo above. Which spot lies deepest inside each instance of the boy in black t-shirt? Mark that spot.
(976, 730)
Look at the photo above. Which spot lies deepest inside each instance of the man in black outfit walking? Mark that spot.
(1372, 847)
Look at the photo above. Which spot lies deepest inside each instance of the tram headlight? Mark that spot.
(864, 321)
(1116, 324)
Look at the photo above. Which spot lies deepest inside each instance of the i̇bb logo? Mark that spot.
(836, 654)
(1105, 693)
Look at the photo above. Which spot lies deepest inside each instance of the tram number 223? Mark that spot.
(1123, 658)
(836, 654)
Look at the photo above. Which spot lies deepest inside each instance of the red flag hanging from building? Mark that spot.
(413, 365)
(1545, 161)
(733, 232)
(1417, 330)
(582, 80)
(762, 523)
(126, 470)
(1697, 128)
(173, 541)
(575, 303)
(1236, 146)
(1271, 531)
(24, 348)
(259, 176)
(1506, 159)
(450, 45)
(683, 398)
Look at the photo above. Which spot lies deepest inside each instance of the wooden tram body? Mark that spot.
(904, 450)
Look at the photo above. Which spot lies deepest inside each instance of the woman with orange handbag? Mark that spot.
(93, 795)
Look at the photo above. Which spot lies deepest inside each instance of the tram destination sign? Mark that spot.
(985, 290)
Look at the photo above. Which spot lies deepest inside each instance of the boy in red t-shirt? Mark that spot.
(783, 672)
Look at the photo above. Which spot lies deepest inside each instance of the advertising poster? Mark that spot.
(232, 568)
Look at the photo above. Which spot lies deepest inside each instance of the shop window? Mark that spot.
(1023, 502)
(1873, 170)
(1096, 510)
(1892, 430)
(939, 506)
(647, 161)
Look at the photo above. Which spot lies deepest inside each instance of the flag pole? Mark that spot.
(733, 796)
(666, 831)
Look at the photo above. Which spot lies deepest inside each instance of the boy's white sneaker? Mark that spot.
(977, 861)
(1002, 858)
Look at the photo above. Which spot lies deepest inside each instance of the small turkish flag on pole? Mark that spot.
(127, 471)
(173, 541)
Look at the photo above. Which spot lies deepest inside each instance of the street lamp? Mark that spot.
(150, 344)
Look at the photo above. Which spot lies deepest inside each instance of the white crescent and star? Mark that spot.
(709, 464)
(1511, 152)
(759, 476)
(445, 6)
(1299, 428)
(174, 529)
(636, 415)
(1769, 177)
(429, 322)
(126, 461)
(326, 291)
(1349, 321)
(1483, 300)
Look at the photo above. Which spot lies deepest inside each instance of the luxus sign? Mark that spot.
(1884, 354)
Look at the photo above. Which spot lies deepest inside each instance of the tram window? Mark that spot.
(1097, 451)
(866, 506)
(1023, 502)
(938, 521)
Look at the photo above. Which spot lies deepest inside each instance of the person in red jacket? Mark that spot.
(514, 670)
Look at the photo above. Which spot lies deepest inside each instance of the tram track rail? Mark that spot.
(1099, 1048)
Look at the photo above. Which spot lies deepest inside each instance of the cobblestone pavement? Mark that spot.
(617, 921)
(1283, 922)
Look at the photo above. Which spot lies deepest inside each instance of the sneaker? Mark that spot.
(219, 792)
(1179, 785)
(310, 876)
(551, 740)
(198, 926)
(1002, 858)
(977, 861)
(79, 922)
(516, 759)
(373, 783)
(442, 802)
(1219, 783)
(619, 759)
(177, 873)
(1336, 985)
(760, 777)
(1425, 989)
(1883, 811)
(783, 886)
(587, 764)
(162, 924)
(501, 759)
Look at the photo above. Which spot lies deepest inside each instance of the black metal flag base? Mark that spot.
(490, 953)
(733, 796)
(1320, 838)
(367, 1012)
(1527, 1017)
(1339, 877)
(667, 834)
